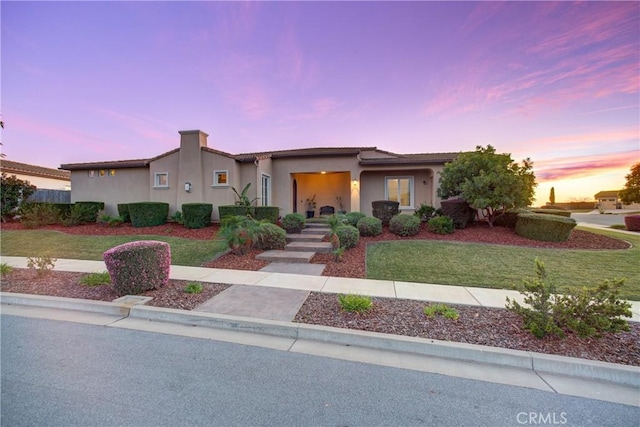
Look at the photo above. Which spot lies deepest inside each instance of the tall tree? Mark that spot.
(13, 192)
(489, 181)
(631, 191)
(552, 196)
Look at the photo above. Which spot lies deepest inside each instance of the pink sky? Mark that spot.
(558, 82)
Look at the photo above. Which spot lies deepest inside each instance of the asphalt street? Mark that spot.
(606, 219)
(66, 374)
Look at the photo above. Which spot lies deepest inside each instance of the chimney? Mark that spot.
(190, 167)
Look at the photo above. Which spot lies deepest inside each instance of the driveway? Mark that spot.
(606, 219)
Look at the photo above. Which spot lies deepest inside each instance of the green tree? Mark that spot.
(552, 196)
(13, 192)
(489, 181)
(631, 191)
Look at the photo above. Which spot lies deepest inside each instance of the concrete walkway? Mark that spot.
(273, 309)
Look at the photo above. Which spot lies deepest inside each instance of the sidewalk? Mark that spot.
(465, 295)
(257, 310)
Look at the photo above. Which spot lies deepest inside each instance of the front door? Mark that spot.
(295, 196)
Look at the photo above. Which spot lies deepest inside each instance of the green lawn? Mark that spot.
(496, 266)
(61, 245)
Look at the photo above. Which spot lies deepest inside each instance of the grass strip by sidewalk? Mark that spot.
(61, 245)
(497, 266)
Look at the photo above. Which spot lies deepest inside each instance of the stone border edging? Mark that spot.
(537, 362)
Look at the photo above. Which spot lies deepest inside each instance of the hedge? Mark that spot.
(196, 215)
(148, 214)
(123, 212)
(459, 211)
(88, 211)
(270, 213)
(548, 228)
(384, 210)
(231, 210)
(632, 222)
(558, 212)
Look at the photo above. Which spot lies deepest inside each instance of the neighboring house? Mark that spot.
(611, 200)
(41, 177)
(347, 178)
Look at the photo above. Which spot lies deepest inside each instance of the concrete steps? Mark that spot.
(305, 237)
(315, 230)
(286, 256)
(321, 247)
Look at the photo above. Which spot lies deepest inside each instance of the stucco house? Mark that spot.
(347, 178)
(610, 199)
(41, 177)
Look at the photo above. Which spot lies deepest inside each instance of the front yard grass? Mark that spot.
(61, 245)
(497, 266)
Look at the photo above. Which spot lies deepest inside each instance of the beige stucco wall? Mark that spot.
(372, 187)
(168, 164)
(126, 186)
(43, 182)
(339, 172)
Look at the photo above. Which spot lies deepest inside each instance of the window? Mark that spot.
(266, 190)
(220, 178)
(161, 180)
(112, 172)
(101, 172)
(92, 174)
(400, 189)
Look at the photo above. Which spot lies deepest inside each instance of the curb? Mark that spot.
(623, 375)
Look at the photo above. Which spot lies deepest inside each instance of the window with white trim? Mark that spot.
(399, 189)
(221, 178)
(161, 180)
(266, 190)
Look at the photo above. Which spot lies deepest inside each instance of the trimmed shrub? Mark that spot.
(196, 215)
(426, 212)
(348, 235)
(354, 217)
(88, 211)
(547, 211)
(441, 225)
(459, 211)
(632, 222)
(554, 207)
(270, 213)
(369, 226)
(35, 215)
(270, 236)
(240, 233)
(293, 223)
(509, 218)
(64, 209)
(384, 210)
(547, 228)
(138, 266)
(405, 225)
(148, 214)
(232, 210)
(123, 212)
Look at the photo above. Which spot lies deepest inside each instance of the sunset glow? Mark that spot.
(556, 82)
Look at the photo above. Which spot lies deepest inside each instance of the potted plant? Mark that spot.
(311, 206)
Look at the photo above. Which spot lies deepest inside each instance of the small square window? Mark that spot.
(112, 172)
(101, 172)
(92, 174)
(161, 180)
(220, 178)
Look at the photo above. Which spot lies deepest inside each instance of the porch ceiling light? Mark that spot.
(323, 172)
(354, 182)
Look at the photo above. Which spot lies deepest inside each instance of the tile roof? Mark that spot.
(11, 167)
(607, 193)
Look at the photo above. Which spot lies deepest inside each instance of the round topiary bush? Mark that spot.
(632, 222)
(293, 223)
(441, 225)
(354, 217)
(405, 225)
(369, 226)
(547, 228)
(384, 210)
(348, 235)
(139, 266)
(270, 236)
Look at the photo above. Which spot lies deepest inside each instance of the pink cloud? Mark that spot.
(251, 100)
(584, 166)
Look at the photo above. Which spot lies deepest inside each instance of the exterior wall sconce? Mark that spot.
(187, 187)
(354, 183)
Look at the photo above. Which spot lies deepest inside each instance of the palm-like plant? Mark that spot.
(334, 223)
(243, 199)
(239, 232)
